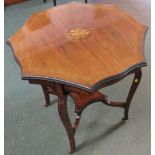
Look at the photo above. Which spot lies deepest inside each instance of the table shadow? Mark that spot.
(100, 136)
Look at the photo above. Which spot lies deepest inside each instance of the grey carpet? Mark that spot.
(31, 129)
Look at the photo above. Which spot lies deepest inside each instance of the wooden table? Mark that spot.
(76, 49)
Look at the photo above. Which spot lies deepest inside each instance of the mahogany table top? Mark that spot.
(83, 45)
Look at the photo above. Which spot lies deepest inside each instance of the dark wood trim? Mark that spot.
(95, 87)
(118, 77)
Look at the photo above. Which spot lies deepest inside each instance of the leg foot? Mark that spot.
(124, 118)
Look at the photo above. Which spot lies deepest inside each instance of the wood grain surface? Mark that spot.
(104, 42)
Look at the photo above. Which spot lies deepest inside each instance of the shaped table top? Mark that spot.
(83, 45)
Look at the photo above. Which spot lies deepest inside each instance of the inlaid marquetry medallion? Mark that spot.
(78, 33)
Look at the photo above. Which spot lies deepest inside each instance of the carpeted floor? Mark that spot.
(31, 129)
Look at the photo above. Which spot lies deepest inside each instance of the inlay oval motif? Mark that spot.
(78, 33)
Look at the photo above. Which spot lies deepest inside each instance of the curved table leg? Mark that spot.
(132, 91)
(46, 94)
(63, 113)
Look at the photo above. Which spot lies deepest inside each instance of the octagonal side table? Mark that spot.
(75, 50)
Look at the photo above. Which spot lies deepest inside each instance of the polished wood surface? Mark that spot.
(79, 44)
